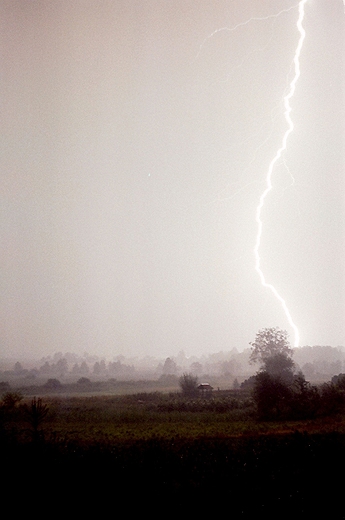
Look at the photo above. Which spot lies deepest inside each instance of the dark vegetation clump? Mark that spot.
(189, 385)
(279, 392)
(276, 400)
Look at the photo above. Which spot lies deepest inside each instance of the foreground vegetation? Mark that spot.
(275, 445)
(176, 447)
(104, 420)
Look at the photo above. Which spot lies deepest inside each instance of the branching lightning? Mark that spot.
(241, 24)
(282, 148)
(279, 154)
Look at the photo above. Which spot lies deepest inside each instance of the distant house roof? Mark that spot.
(205, 386)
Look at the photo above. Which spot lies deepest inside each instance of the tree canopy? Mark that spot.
(189, 385)
(271, 350)
(269, 343)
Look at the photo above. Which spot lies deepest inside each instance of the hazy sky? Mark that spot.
(136, 139)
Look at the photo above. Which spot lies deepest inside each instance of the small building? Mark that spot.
(205, 389)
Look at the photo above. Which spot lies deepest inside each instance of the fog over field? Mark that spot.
(136, 139)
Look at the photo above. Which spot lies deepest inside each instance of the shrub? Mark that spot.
(332, 399)
(339, 381)
(36, 414)
(271, 396)
(275, 399)
(53, 384)
(11, 399)
(305, 399)
(189, 385)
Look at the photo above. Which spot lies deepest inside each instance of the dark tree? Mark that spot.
(339, 381)
(189, 385)
(280, 366)
(170, 366)
(269, 342)
(271, 396)
(272, 390)
(332, 399)
(271, 350)
(36, 414)
(11, 399)
(53, 384)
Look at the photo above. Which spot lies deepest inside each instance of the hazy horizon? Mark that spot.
(137, 136)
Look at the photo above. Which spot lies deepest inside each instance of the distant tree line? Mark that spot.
(61, 369)
(318, 364)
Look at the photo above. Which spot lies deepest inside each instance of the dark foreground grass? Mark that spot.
(128, 454)
(268, 474)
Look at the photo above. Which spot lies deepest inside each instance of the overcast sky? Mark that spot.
(136, 138)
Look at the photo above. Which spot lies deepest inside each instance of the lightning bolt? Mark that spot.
(278, 155)
(241, 24)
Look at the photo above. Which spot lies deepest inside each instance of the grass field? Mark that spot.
(104, 419)
(185, 450)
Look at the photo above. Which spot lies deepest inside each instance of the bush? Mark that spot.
(305, 399)
(189, 385)
(275, 399)
(36, 414)
(271, 396)
(339, 381)
(332, 399)
(11, 399)
(53, 384)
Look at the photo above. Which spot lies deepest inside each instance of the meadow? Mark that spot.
(186, 450)
(103, 419)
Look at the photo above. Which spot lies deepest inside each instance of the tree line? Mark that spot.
(279, 388)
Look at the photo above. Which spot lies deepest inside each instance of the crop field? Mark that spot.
(183, 449)
(101, 419)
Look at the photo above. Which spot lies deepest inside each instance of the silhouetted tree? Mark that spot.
(271, 396)
(170, 366)
(332, 399)
(305, 398)
(280, 366)
(36, 414)
(272, 390)
(272, 351)
(269, 342)
(339, 381)
(189, 385)
(53, 384)
(11, 399)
